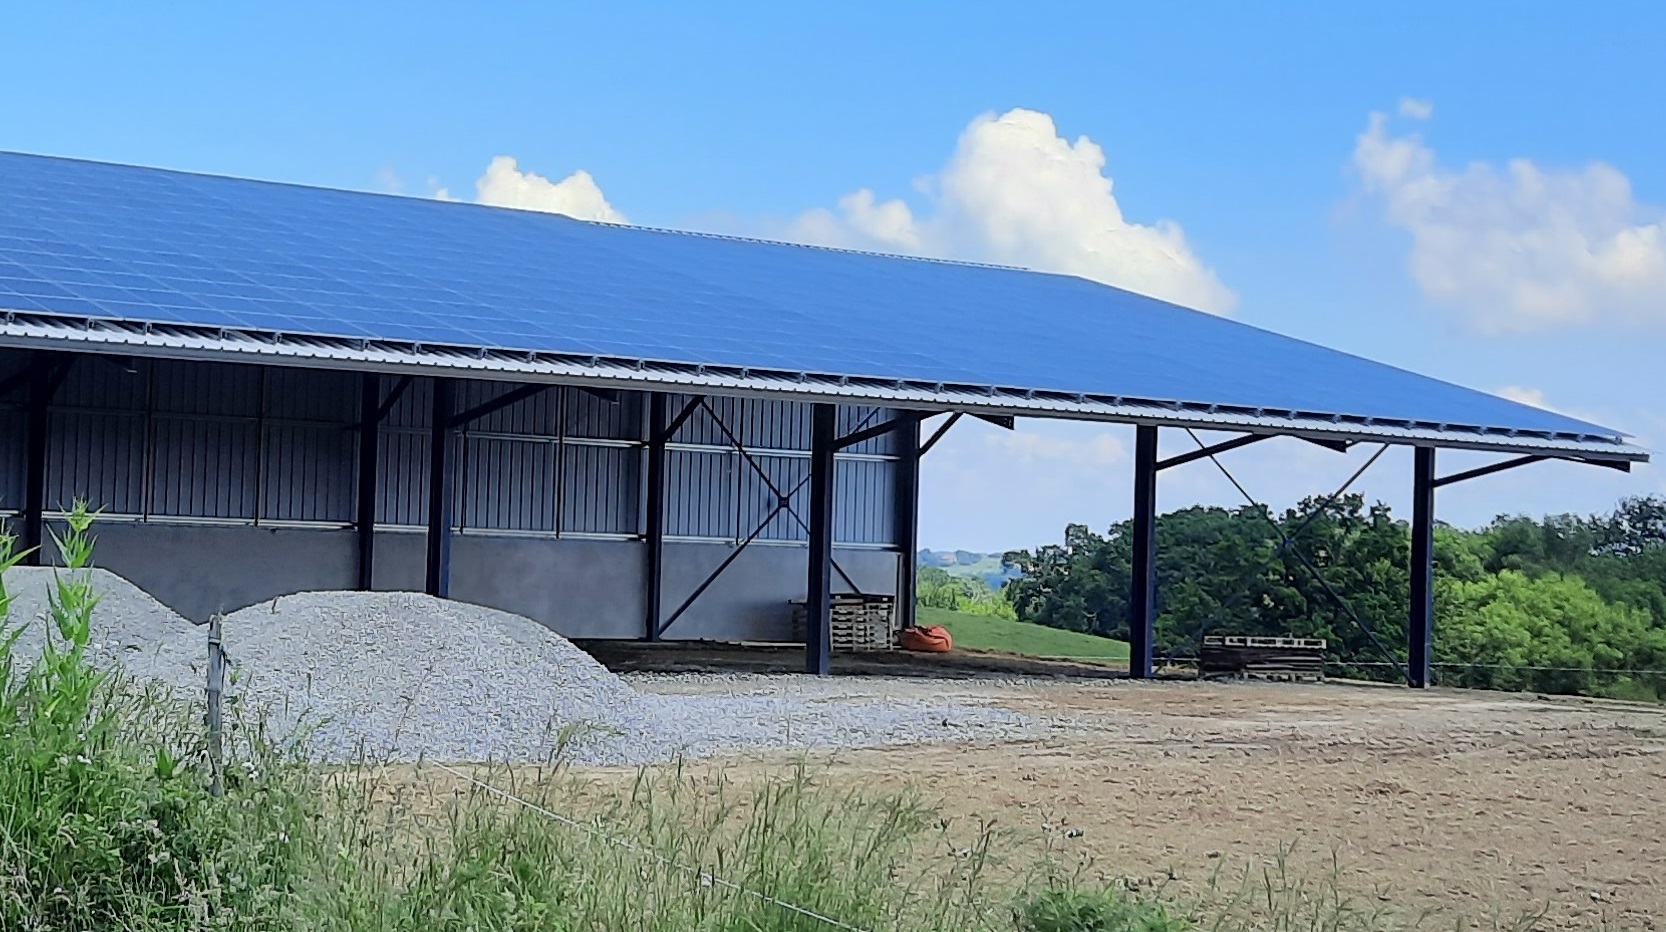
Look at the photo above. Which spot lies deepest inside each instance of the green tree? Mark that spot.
(1575, 594)
(1550, 633)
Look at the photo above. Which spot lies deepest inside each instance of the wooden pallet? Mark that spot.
(1274, 658)
(859, 623)
(1249, 641)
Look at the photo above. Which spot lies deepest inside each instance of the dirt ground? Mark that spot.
(1474, 804)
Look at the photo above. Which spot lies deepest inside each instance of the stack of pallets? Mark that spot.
(860, 622)
(1262, 657)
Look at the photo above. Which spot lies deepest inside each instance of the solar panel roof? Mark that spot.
(96, 242)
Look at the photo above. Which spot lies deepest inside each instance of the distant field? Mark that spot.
(980, 632)
(988, 566)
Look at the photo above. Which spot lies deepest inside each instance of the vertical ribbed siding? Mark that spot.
(601, 489)
(309, 473)
(853, 419)
(512, 484)
(790, 476)
(411, 410)
(700, 499)
(538, 416)
(701, 428)
(586, 415)
(96, 458)
(204, 440)
(13, 425)
(105, 384)
(774, 425)
(402, 456)
(203, 468)
(859, 486)
(223, 442)
(12, 467)
(313, 396)
(402, 478)
(309, 448)
(206, 389)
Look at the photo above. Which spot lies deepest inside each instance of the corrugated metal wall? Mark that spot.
(12, 427)
(240, 444)
(717, 493)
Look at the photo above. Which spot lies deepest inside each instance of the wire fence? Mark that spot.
(215, 690)
(1636, 683)
(1512, 667)
(1187, 661)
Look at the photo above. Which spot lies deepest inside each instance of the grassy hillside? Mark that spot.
(980, 632)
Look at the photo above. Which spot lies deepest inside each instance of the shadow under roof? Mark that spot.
(149, 261)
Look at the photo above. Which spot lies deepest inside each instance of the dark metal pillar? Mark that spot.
(34, 490)
(1420, 627)
(818, 598)
(907, 522)
(1142, 596)
(439, 492)
(655, 529)
(370, 432)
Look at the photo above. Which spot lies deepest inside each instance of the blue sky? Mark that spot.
(1241, 127)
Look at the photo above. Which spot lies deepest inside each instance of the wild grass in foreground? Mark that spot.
(107, 823)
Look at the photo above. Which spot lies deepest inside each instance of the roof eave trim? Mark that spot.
(47, 331)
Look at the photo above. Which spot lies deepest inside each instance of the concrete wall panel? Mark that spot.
(581, 588)
(198, 570)
(750, 600)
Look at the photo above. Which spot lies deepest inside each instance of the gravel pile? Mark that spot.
(397, 676)
(129, 628)
(402, 675)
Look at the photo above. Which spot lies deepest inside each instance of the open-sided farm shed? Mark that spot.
(621, 432)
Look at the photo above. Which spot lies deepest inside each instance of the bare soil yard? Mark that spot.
(1469, 803)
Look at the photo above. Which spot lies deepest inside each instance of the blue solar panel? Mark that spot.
(140, 244)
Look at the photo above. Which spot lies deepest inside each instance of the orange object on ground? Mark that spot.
(930, 639)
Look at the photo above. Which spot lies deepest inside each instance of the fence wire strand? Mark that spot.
(704, 877)
(1458, 665)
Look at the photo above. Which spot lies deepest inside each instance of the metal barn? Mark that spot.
(618, 431)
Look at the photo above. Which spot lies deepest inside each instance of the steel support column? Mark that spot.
(1420, 627)
(907, 522)
(439, 492)
(1142, 596)
(370, 433)
(655, 519)
(818, 598)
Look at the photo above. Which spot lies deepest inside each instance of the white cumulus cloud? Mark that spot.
(504, 184)
(1518, 247)
(1535, 397)
(1017, 192)
(1416, 109)
(1526, 396)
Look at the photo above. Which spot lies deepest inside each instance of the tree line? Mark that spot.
(1564, 604)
